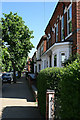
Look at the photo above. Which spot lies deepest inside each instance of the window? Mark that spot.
(42, 48)
(62, 29)
(42, 65)
(50, 61)
(62, 59)
(39, 53)
(69, 19)
(47, 43)
(35, 69)
(57, 33)
(39, 67)
(45, 64)
(55, 60)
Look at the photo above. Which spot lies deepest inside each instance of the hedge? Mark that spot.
(66, 83)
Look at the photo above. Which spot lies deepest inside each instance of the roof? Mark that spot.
(52, 15)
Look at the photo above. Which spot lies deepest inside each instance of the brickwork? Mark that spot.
(78, 27)
(66, 28)
(45, 42)
(43, 38)
(56, 19)
(75, 37)
(74, 28)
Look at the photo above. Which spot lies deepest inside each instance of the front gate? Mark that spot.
(50, 104)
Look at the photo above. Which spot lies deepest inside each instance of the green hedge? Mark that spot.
(66, 83)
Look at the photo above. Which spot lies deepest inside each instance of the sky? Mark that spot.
(35, 14)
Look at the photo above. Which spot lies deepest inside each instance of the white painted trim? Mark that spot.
(57, 32)
(60, 17)
(55, 24)
(52, 29)
(65, 10)
(57, 44)
(68, 21)
(68, 35)
(62, 28)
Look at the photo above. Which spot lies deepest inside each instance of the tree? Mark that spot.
(0, 47)
(17, 37)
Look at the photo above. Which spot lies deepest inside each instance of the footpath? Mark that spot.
(18, 102)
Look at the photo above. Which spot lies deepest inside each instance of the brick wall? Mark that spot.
(75, 25)
(54, 19)
(45, 42)
(74, 28)
(78, 27)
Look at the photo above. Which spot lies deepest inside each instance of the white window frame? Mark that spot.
(62, 28)
(61, 56)
(56, 59)
(68, 21)
(56, 32)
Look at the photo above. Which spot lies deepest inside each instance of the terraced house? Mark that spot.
(62, 36)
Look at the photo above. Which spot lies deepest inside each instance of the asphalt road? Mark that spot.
(18, 102)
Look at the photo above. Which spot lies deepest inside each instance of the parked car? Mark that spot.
(7, 78)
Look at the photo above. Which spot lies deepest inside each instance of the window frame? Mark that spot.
(45, 65)
(57, 32)
(42, 46)
(62, 28)
(69, 20)
(63, 52)
(54, 60)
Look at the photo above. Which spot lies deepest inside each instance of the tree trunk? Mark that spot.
(19, 74)
(14, 73)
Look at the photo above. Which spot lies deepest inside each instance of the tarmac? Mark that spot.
(17, 102)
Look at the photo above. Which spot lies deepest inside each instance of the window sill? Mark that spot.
(68, 35)
(62, 40)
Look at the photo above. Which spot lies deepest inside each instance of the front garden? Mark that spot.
(66, 84)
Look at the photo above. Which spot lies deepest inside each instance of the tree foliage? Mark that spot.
(17, 37)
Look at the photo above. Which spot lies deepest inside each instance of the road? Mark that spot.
(18, 102)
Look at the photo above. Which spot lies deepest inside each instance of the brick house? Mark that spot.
(62, 36)
(41, 48)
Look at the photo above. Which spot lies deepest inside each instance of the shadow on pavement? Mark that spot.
(19, 90)
(22, 113)
(18, 102)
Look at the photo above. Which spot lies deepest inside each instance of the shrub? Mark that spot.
(69, 85)
(45, 80)
(66, 83)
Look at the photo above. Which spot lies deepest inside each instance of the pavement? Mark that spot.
(18, 102)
